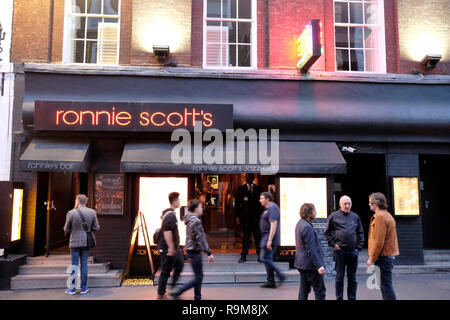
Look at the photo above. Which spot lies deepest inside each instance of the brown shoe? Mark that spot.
(162, 297)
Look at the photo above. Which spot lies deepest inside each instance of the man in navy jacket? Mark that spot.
(308, 255)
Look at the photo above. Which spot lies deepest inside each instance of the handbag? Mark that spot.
(90, 237)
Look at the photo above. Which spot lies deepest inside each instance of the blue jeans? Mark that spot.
(266, 256)
(197, 266)
(76, 254)
(346, 259)
(386, 264)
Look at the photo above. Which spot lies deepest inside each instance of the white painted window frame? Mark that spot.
(67, 36)
(253, 42)
(381, 39)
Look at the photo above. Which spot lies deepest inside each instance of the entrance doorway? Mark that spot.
(55, 196)
(434, 177)
(366, 173)
(217, 193)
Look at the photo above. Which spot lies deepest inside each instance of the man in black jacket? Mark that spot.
(169, 244)
(344, 232)
(308, 255)
(248, 212)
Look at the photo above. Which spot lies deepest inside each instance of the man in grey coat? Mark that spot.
(78, 239)
(308, 255)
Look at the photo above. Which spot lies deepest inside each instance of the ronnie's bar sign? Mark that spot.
(129, 116)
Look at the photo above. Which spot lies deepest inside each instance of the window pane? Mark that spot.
(231, 27)
(357, 60)
(245, 9)
(341, 37)
(341, 12)
(92, 27)
(111, 7)
(371, 38)
(342, 60)
(244, 32)
(78, 51)
(91, 51)
(79, 27)
(371, 13)
(232, 55)
(229, 8)
(94, 6)
(213, 9)
(372, 61)
(356, 37)
(79, 6)
(244, 56)
(356, 13)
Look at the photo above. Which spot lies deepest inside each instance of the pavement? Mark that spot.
(407, 287)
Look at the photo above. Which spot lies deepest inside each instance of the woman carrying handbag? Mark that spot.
(80, 221)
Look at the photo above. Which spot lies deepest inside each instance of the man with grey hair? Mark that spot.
(345, 234)
(76, 220)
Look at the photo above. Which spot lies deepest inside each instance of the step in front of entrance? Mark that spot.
(54, 260)
(94, 268)
(59, 281)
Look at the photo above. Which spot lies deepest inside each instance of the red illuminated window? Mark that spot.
(91, 31)
(359, 35)
(229, 33)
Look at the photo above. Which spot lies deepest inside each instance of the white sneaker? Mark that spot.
(85, 291)
(70, 291)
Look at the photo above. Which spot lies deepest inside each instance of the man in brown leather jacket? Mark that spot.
(383, 244)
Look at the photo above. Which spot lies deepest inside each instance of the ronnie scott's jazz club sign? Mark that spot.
(132, 116)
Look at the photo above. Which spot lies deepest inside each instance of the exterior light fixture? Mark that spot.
(161, 52)
(431, 60)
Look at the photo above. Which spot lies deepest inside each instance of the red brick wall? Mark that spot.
(126, 27)
(30, 37)
(197, 34)
(391, 36)
(57, 31)
(163, 22)
(287, 21)
(423, 27)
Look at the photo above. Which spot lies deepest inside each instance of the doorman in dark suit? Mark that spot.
(248, 212)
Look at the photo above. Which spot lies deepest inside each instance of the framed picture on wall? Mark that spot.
(109, 194)
(214, 180)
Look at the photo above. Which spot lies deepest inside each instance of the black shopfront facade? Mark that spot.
(398, 130)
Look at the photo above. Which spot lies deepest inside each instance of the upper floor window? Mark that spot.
(359, 35)
(91, 31)
(229, 34)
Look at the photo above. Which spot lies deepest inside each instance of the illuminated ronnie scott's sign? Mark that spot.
(129, 116)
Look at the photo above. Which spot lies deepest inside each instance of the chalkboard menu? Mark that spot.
(109, 194)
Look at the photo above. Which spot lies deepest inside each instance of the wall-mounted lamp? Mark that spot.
(431, 60)
(161, 53)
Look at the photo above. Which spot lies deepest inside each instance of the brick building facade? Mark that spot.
(401, 138)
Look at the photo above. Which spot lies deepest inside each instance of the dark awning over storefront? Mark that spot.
(302, 110)
(294, 157)
(55, 155)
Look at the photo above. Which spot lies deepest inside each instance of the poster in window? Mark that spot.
(406, 196)
(108, 193)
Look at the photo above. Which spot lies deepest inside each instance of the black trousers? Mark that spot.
(249, 229)
(346, 260)
(308, 279)
(168, 263)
